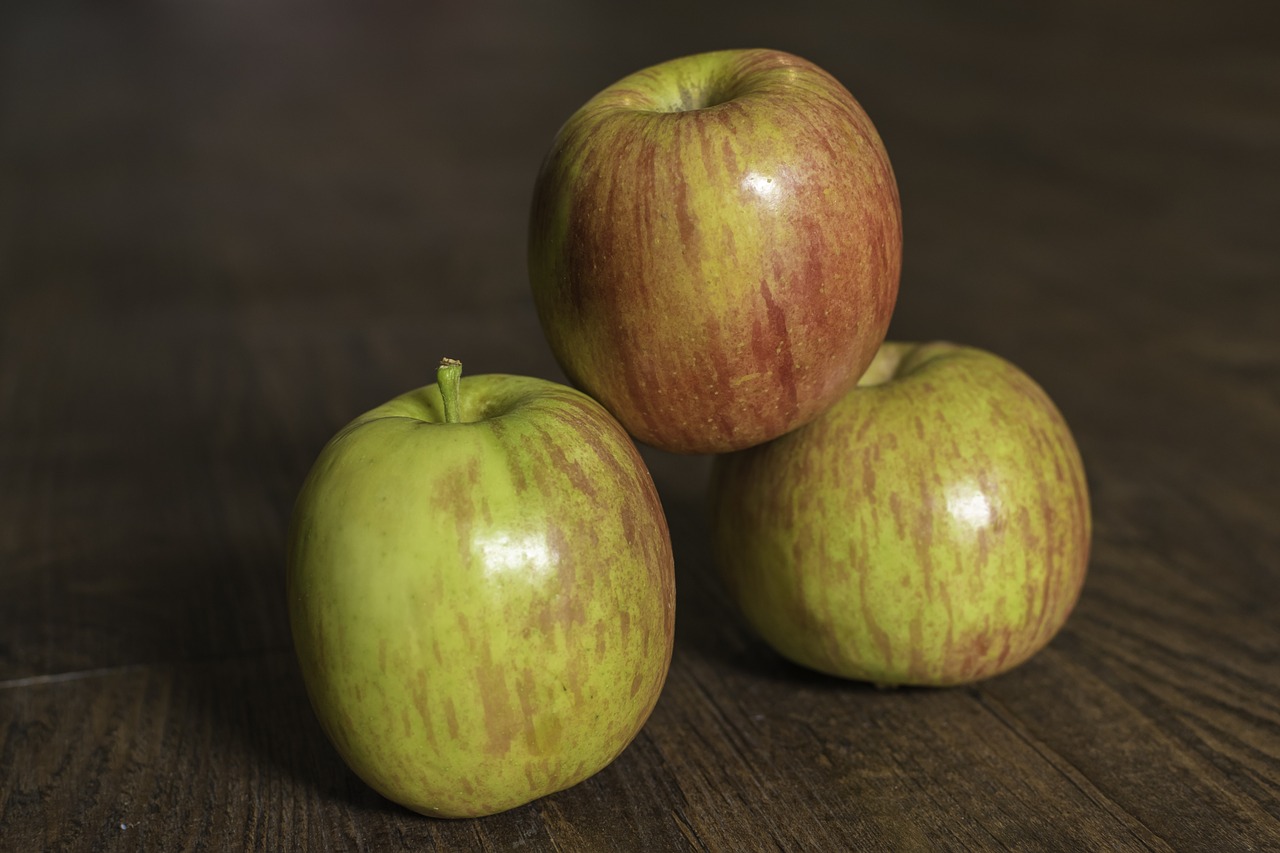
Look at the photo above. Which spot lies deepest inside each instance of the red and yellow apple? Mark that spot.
(931, 528)
(481, 593)
(714, 248)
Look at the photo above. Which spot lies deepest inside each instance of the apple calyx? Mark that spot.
(448, 377)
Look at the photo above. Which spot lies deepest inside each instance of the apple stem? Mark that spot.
(448, 377)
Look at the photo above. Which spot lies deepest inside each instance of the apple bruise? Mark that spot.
(718, 276)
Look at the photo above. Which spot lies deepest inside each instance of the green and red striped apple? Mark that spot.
(481, 593)
(931, 528)
(714, 248)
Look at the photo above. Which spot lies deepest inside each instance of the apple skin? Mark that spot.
(714, 248)
(482, 611)
(932, 528)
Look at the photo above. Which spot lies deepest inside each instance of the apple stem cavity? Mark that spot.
(448, 377)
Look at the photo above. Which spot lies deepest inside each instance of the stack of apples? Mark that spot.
(480, 573)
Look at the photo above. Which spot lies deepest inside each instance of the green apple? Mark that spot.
(931, 528)
(714, 248)
(481, 592)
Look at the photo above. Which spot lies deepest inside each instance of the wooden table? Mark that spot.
(227, 228)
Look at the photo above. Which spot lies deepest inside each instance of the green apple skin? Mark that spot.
(482, 611)
(931, 528)
(715, 246)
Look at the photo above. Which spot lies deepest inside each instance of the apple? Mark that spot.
(714, 248)
(931, 528)
(481, 592)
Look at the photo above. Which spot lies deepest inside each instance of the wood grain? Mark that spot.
(228, 228)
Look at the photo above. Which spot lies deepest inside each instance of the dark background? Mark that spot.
(226, 228)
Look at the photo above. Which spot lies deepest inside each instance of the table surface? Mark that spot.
(226, 228)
